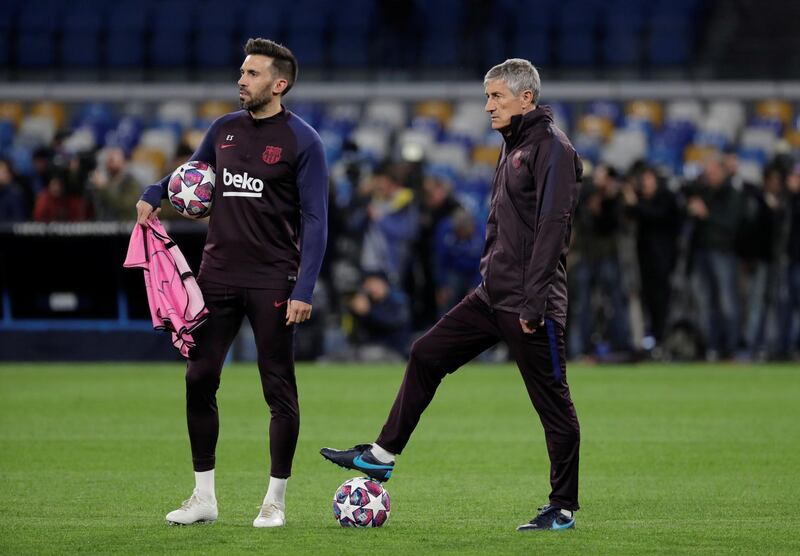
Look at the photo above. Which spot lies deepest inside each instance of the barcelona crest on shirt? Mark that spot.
(271, 154)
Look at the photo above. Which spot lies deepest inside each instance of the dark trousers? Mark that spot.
(468, 329)
(266, 311)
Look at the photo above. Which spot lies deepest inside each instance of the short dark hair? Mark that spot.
(283, 60)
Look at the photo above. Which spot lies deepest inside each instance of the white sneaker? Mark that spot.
(194, 510)
(271, 515)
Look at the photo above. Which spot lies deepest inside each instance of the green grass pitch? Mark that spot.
(674, 459)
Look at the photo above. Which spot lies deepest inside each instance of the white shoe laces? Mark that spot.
(192, 501)
(268, 509)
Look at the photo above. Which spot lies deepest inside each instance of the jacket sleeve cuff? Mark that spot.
(153, 195)
(531, 316)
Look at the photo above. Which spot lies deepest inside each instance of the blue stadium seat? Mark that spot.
(667, 48)
(126, 28)
(622, 48)
(350, 49)
(263, 21)
(351, 24)
(38, 23)
(533, 46)
(218, 46)
(606, 109)
(7, 28)
(6, 135)
(440, 23)
(173, 30)
(80, 40)
(576, 48)
(308, 48)
(440, 48)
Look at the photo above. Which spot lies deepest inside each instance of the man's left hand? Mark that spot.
(297, 312)
(528, 327)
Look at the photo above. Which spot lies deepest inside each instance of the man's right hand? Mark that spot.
(145, 213)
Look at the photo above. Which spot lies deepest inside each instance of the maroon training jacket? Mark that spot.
(534, 194)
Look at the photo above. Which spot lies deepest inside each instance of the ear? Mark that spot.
(527, 98)
(279, 86)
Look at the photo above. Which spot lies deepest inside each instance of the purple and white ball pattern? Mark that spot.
(191, 189)
(361, 502)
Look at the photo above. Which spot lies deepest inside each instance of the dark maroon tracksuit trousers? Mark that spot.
(266, 311)
(470, 328)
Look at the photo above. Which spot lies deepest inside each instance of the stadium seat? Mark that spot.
(80, 40)
(762, 138)
(150, 155)
(624, 148)
(647, 110)
(212, 109)
(7, 28)
(36, 38)
(348, 113)
(597, 126)
(176, 111)
(793, 138)
(265, 22)
(193, 138)
(469, 119)
(126, 29)
(416, 141)
(698, 153)
(724, 116)
(775, 109)
(451, 155)
(533, 46)
(53, 110)
(310, 112)
(172, 34)
(622, 48)
(12, 111)
(163, 140)
(684, 111)
(218, 45)
(439, 110)
(486, 154)
(308, 46)
(80, 140)
(307, 23)
(608, 109)
(6, 135)
(351, 23)
(37, 131)
(373, 141)
(385, 112)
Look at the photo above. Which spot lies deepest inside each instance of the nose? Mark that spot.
(489, 107)
(241, 80)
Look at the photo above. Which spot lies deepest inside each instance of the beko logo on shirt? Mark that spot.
(251, 187)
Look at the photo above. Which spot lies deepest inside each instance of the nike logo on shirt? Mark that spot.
(228, 145)
(279, 303)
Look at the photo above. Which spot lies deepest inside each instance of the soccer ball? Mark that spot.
(361, 502)
(191, 189)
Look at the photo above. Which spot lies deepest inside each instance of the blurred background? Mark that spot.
(686, 241)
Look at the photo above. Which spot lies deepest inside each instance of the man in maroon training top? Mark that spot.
(266, 239)
(522, 299)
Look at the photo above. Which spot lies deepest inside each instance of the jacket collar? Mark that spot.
(521, 123)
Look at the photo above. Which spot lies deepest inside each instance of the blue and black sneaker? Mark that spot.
(549, 518)
(361, 459)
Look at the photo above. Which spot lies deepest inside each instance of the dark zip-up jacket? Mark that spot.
(534, 194)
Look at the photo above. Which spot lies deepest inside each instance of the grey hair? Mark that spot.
(520, 75)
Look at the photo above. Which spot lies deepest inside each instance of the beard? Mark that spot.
(254, 102)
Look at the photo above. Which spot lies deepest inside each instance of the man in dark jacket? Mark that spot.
(715, 208)
(521, 300)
